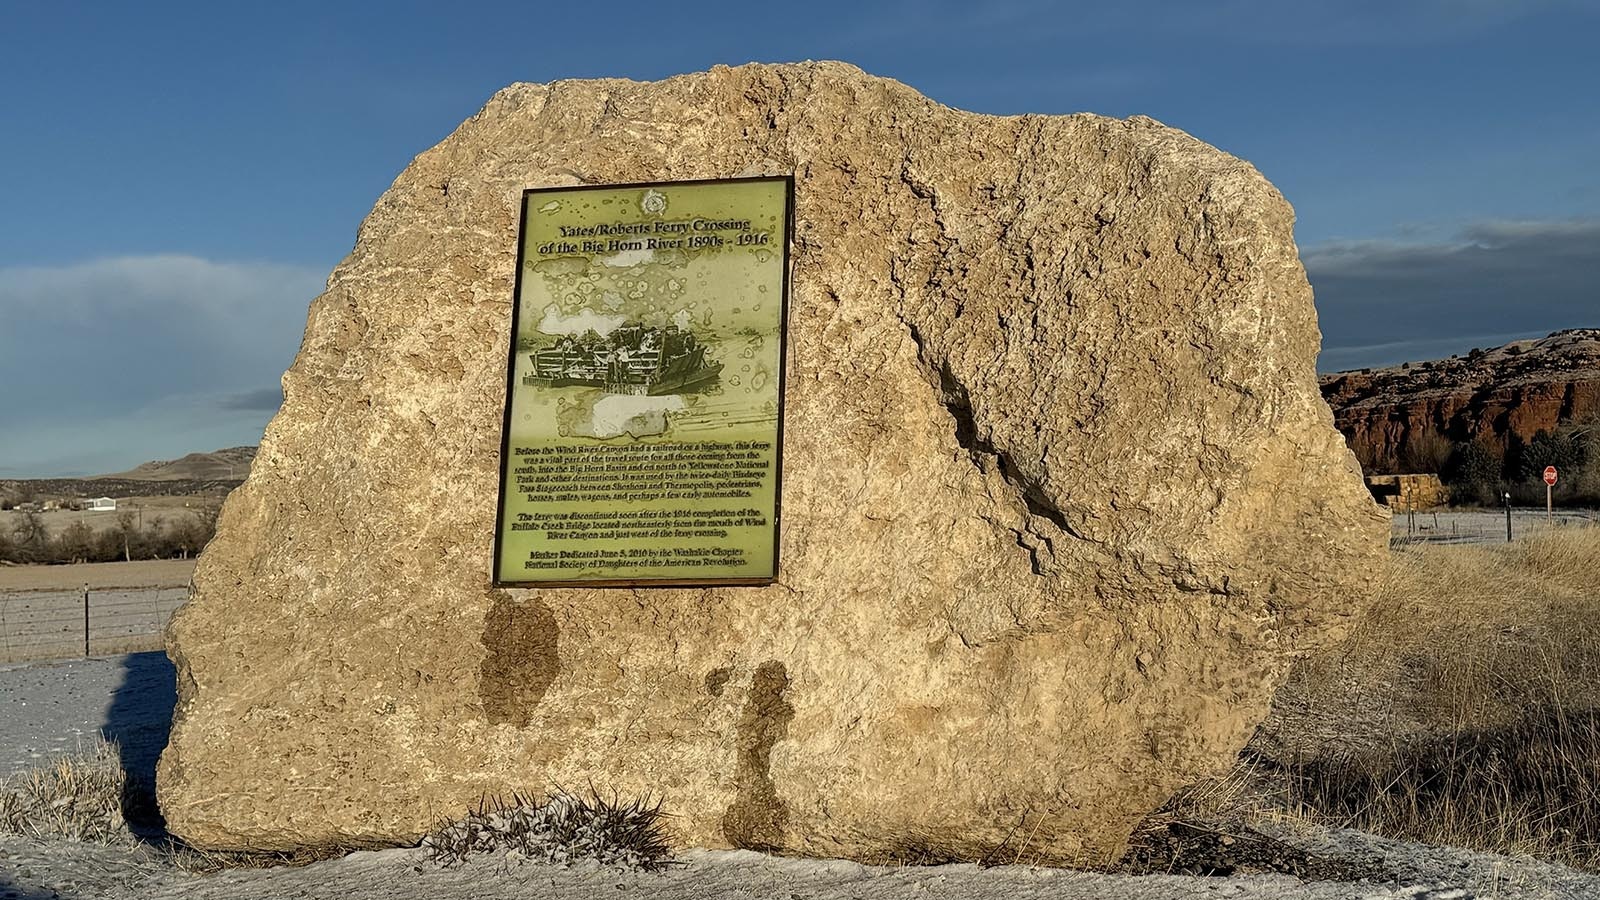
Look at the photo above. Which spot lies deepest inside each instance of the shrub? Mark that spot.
(1425, 451)
(1474, 471)
(564, 828)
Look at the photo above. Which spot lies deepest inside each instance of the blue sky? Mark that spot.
(182, 176)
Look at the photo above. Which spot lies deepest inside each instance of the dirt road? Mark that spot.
(154, 573)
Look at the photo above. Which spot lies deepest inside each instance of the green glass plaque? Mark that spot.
(644, 397)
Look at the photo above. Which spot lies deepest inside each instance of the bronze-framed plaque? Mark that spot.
(643, 431)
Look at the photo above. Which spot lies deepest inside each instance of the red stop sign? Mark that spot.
(1550, 475)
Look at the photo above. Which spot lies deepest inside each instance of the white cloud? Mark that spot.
(116, 442)
(155, 284)
(143, 353)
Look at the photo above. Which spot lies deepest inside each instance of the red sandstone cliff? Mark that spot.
(1389, 415)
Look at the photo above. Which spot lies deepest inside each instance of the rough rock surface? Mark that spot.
(1519, 389)
(1060, 499)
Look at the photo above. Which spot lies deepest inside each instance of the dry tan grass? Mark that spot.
(79, 796)
(88, 796)
(1496, 628)
(1464, 709)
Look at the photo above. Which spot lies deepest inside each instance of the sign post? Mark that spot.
(1549, 482)
(644, 393)
(1508, 516)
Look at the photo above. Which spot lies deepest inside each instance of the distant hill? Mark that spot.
(1395, 418)
(231, 464)
(195, 475)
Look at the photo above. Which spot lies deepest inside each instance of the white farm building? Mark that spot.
(100, 504)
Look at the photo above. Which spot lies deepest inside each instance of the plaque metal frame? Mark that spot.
(781, 375)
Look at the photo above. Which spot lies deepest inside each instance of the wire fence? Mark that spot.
(1482, 526)
(59, 624)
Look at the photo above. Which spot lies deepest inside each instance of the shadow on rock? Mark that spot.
(139, 719)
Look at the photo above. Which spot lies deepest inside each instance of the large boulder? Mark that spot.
(1061, 499)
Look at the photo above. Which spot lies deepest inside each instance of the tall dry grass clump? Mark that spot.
(79, 796)
(1463, 710)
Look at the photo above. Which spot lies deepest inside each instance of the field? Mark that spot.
(165, 509)
(147, 512)
(146, 527)
(1464, 709)
(148, 573)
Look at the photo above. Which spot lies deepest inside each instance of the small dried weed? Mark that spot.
(565, 828)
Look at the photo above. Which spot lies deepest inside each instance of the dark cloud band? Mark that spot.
(1384, 302)
(264, 400)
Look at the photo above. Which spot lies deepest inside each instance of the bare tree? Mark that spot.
(1426, 452)
(190, 533)
(32, 538)
(76, 543)
(126, 530)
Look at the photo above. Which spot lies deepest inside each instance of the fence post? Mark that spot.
(86, 620)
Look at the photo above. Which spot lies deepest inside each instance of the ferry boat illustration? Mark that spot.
(632, 359)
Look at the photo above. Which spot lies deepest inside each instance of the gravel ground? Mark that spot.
(49, 708)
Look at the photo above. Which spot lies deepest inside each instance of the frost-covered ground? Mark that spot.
(59, 870)
(48, 708)
(51, 708)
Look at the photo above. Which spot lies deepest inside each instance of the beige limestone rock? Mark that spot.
(1061, 499)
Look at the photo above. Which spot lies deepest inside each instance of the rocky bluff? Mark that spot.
(1394, 415)
(1061, 499)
